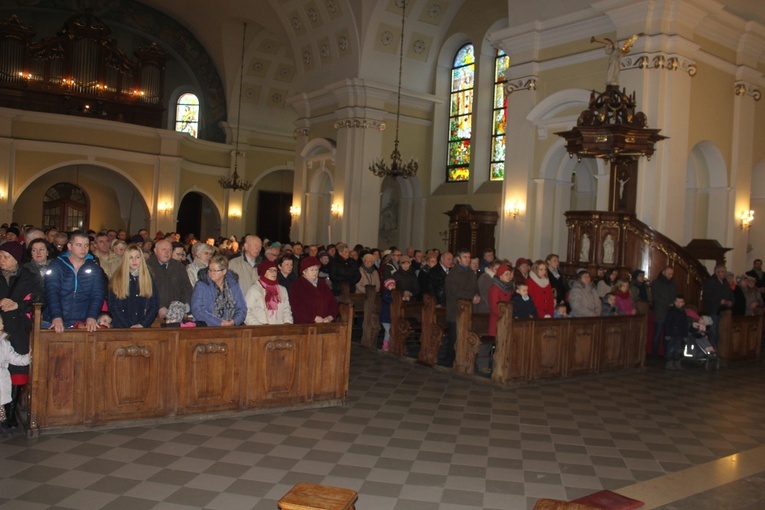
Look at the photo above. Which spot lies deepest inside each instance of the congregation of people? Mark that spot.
(106, 279)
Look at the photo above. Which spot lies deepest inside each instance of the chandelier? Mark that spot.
(234, 182)
(397, 167)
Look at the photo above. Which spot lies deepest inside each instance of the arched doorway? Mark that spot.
(112, 200)
(272, 198)
(66, 207)
(706, 194)
(198, 215)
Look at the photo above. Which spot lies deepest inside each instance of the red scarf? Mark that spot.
(622, 293)
(272, 293)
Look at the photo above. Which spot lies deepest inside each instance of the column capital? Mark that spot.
(743, 88)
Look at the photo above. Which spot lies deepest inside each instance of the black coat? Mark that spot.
(523, 309)
(438, 284)
(22, 289)
(676, 323)
(343, 271)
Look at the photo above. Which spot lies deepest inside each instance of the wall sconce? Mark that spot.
(234, 213)
(747, 217)
(294, 211)
(336, 209)
(512, 208)
(165, 207)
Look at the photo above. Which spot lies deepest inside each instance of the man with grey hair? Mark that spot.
(246, 265)
(169, 275)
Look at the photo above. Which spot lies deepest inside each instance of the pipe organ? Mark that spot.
(80, 70)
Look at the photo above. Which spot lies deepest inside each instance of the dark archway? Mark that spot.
(198, 215)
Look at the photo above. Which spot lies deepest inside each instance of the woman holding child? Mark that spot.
(133, 296)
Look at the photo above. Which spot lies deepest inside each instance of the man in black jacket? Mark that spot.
(343, 269)
(717, 296)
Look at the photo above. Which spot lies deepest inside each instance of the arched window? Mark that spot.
(187, 114)
(499, 118)
(66, 207)
(461, 115)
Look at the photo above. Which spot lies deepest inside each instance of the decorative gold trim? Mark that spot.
(361, 123)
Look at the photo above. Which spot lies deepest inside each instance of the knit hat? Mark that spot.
(13, 230)
(265, 266)
(309, 262)
(404, 258)
(390, 283)
(504, 268)
(522, 260)
(581, 273)
(636, 273)
(14, 249)
(322, 254)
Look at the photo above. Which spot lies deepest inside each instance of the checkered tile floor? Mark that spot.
(409, 437)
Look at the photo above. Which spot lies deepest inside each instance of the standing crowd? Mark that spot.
(106, 279)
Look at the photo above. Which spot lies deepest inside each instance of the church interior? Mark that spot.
(133, 115)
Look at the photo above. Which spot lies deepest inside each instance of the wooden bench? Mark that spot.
(309, 496)
(428, 319)
(740, 337)
(537, 349)
(367, 307)
(81, 380)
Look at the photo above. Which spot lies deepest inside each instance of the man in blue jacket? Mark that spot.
(75, 287)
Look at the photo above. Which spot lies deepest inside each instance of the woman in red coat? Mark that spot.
(540, 290)
(310, 296)
(501, 291)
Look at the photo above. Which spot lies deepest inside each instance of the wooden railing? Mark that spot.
(81, 379)
(635, 246)
(536, 349)
(740, 337)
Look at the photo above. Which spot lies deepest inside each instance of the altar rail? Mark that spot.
(81, 380)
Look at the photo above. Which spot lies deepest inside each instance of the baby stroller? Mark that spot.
(698, 349)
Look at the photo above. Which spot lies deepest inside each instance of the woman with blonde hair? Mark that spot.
(133, 296)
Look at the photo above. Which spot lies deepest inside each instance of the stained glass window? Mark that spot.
(187, 114)
(461, 115)
(499, 118)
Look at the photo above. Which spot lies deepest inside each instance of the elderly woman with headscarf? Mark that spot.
(311, 298)
(267, 301)
(18, 287)
(201, 253)
(369, 274)
(217, 299)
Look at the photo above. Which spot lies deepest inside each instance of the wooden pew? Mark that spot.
(428, 318)
(740, 337)
(433, 331)
(81, 380)
(537, 349)
(367, 307)
(470, 327)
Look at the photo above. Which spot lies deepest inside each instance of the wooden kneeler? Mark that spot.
(309, 496)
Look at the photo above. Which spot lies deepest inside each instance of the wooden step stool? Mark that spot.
(309, 496)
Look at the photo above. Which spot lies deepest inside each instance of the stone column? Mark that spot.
(742, 161)
(357, 189)
(515, 236)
